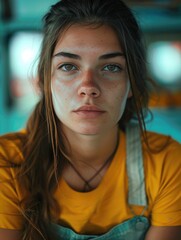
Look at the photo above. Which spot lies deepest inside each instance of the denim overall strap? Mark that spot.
(135, 168)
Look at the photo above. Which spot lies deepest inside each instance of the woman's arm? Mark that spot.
(164, 233)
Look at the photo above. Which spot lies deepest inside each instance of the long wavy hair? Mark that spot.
(44, 150)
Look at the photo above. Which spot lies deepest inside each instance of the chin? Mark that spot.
(89, 130)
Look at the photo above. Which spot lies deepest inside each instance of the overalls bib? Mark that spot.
(132, 229)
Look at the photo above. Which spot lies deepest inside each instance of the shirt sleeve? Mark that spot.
(10, 214)
(166, 209)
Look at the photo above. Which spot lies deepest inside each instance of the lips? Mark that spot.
(89, 108)
(89, 111)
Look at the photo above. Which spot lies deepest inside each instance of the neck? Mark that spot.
(91, 149)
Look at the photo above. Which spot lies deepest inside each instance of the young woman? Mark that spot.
(85, 167)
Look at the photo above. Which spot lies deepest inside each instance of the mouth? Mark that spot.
(89, 111)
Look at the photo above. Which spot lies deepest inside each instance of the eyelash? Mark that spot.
(67, 64)
(73, 67)
(118, 68)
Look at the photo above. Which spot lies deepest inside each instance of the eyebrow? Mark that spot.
(111, 55)
(75, 56)
(68, 55)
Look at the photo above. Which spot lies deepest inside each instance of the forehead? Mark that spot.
(88, 38)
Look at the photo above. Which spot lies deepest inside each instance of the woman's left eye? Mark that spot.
(67, 67)
(112, 68)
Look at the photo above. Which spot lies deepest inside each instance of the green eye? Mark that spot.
(67, 67)
(112, 68)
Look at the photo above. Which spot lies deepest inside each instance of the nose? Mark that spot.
(88, 86)
(89, 91)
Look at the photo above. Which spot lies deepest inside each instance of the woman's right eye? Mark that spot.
(67, 67)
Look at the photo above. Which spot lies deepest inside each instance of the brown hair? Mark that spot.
(44, 150)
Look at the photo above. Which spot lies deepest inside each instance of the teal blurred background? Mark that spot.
(20, 40)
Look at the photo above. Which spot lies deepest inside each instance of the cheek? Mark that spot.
(62, 96)
(59, 96)
(122, 96)
(60, 89)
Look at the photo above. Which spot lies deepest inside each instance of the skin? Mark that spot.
(89, 70)
(88, 81)
(92, 77)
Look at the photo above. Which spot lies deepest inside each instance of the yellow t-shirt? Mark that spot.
(97, 211)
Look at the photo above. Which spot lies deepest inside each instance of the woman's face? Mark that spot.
(89, 81)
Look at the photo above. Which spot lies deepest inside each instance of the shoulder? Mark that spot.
(11, 146)
(162, 165)
(161, 144)
(163, 159)
(11, 192)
